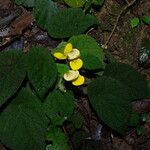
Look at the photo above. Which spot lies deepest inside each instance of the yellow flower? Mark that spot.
(76, 64)
(79, 81)
(75, 53)
(71, 75)
(62, 56)
(75, 77)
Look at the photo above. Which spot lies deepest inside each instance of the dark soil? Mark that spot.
(123, 46)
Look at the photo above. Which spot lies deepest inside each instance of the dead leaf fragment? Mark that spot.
(141, 106)
(21, 23)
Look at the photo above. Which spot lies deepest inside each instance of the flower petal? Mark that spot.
(75, 53)
(71, 75)
(68, 48)
(60, 56)
(76, 64)
(79, 81)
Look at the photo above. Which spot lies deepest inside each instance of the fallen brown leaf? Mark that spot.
(21, 23)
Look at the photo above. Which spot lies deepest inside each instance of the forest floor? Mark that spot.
(123, 46)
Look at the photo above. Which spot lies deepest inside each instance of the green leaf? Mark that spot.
(146, 19)
(91, 53)
(60, 103)
(12, 73)
(60, 48)
(58, 139)
(111, 95)
(98, 2)
(62, 69)
(73, 22)
(110, 99)
(135, 22)
(92, 62)
(23, 124)
(130, 78)
(26, 3)
(43, 12)
(42, 70)
(75, 3)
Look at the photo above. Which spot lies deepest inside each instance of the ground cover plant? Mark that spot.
(61, 87)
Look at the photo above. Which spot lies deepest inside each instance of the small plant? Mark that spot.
(136, 21)
(38, 88)
(75, 63)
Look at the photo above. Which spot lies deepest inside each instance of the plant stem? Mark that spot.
(70, 143)
(87, 5)
(117, 20)
(127, 2)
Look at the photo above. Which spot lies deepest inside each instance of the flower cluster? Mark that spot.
(72, 55)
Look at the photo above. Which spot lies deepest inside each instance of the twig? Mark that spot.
(127, 2)
(90, 30)
(117, 20)
(70, 143)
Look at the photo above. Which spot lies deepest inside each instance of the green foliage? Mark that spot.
(111, 95)
(135, 22)
(91, 53)
(146, 19)
(75, 3)
(62, 68)
(110, 100)
(23, 121)
(12, 73)
(129, 77)
(48, 17)
(58, 139)
(43, 12)
(27, 112)
(26, 3)
(75, 21)
(42, 71)
(59, 105)
(22, 124)
(98, 2)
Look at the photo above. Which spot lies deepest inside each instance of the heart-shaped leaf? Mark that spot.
(12, 73)
(130, 78)
(91, 53)
(42, 70)
(43, 12)
(110, 99)
(112, 94)
(23, 124)
(73, 22)
(135, 22)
